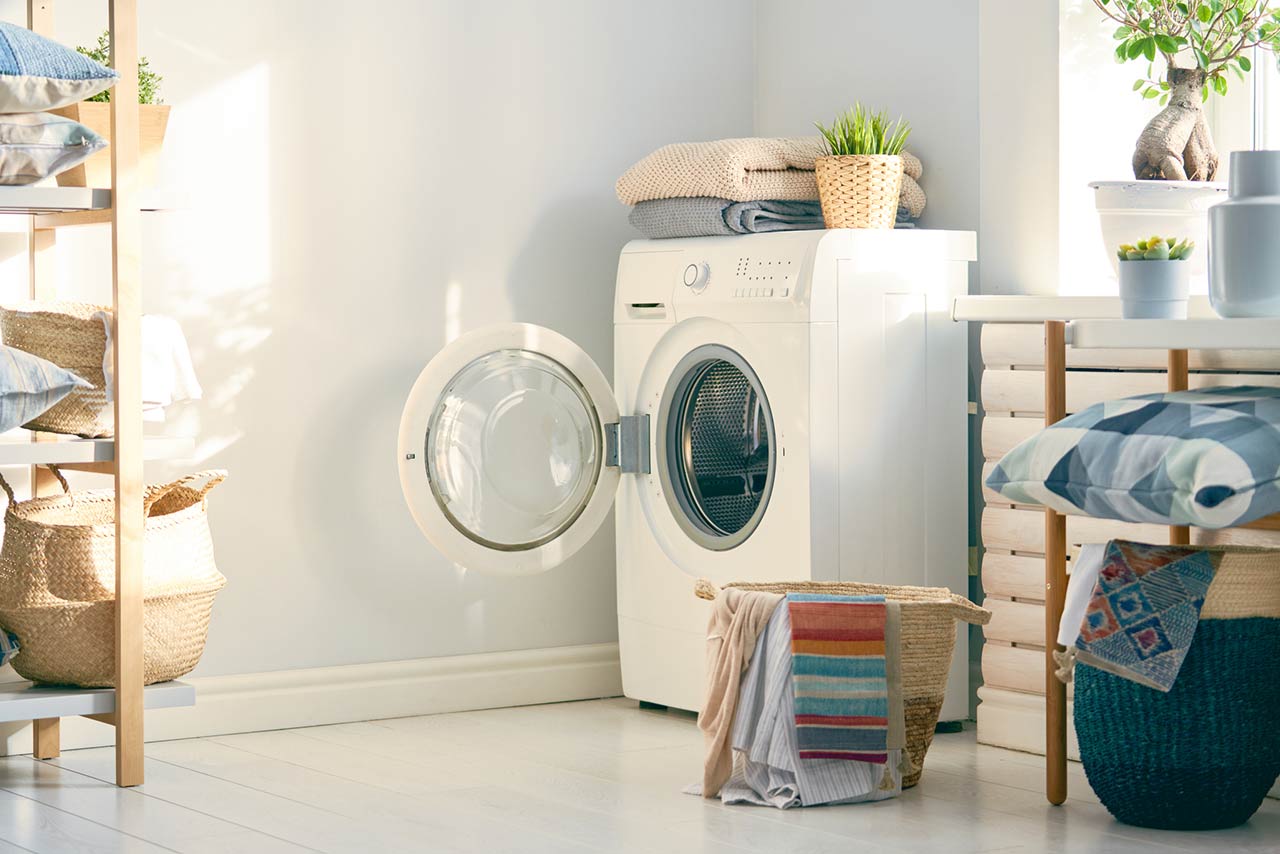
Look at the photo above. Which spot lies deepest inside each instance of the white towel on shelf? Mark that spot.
(168, 375)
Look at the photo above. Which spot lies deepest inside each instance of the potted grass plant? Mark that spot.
(95, 114)
(860, 177)
(1155, 277)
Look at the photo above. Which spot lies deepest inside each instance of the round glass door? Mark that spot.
(513, 450)
(717, 464)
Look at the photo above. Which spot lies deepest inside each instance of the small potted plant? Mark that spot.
(95, 114)
(1155, 278)
(860, 178)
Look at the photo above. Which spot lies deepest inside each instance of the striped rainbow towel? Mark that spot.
(838, 673)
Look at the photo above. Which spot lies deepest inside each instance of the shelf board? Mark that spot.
(1191, 334)
(20, 451)
(53, 200)
(1038, 309)
(24, 701)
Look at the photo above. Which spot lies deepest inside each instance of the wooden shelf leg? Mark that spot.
(46, 738)
(1055, 576)
(126, 353)
(1179, 380)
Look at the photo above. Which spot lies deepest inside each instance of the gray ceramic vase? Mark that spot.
(1244, 239)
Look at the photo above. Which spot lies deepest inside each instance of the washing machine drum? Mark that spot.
(716, 450)
(511, 447)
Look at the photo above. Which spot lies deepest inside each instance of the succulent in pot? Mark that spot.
(1155, 277)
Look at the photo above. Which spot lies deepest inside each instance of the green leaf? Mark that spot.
(1204, 13)
(1149, 48)
(1245, 64)
(1121, 33)
(1122, 52)
(1182, 7)
(1166, 44)
(1204, 93)
(1164, 99)
(1151, 93)
(1202, 58)
(1238, 72)
(1136, 47)
(1219, 84)
(1138, 84)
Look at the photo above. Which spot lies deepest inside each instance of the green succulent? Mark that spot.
(1156, 248)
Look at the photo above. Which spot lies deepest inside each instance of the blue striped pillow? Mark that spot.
(30, 386)
(38, 74)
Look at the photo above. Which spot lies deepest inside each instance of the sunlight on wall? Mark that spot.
(1100, 117)
(217, 247)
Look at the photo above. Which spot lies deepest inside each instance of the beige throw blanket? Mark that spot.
(743, 170)
(737, 618)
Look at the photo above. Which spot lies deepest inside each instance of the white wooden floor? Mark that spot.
(599, 776)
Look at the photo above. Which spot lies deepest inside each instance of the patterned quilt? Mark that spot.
(1208, 458)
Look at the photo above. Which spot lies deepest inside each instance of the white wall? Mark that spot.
(815, 58)
(365, 182)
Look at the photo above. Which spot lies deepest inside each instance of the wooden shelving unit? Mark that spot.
(1093, 323)
(49, 209)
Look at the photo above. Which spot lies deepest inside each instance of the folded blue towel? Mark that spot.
(703, 216)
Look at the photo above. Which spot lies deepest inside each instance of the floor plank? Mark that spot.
(600, 776)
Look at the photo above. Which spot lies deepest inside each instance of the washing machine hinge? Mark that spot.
(626, 444)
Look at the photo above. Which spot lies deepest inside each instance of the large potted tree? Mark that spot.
(1190, 50)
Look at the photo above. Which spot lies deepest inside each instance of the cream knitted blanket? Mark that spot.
(743, 170)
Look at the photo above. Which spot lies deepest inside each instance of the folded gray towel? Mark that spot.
(703, 216)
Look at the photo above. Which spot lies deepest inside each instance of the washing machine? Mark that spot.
(785, 406)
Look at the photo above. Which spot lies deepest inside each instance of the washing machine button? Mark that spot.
(695, 276)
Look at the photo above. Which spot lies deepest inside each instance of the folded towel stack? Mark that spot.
(738, 186)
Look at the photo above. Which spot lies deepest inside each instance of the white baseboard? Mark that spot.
(1015, 720)
(360, 692)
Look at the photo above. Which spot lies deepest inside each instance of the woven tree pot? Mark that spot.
(1200, 757)
(859, 190)
(67, 334)
(57, 583)
(929, 616)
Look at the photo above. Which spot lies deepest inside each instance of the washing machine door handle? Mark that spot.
(626, 444)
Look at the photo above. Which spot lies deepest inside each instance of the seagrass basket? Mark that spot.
(57, 582)
(1203, 755)
(69, 335)
(859, 190)
(928, 637)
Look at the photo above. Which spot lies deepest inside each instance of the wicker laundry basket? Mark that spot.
(67, 334)
(859, 190)
(57, 582)
(928, 638)
(1203, 755)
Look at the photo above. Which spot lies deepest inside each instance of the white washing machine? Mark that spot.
(784, 406)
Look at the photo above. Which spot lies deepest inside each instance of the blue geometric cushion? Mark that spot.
(38, 74)
(1209, 458)
(30, 386)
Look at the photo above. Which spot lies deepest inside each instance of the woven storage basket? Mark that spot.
(1203, 755)
(859, 190)
(57, 582)
(67, 334)
(929, 617)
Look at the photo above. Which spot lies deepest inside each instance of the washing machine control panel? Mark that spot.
(757, 277)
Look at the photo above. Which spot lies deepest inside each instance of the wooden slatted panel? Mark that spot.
(1016, 622)
(1002, 433)
(1010, 576)
(1023, 391)
(1018, 529)
(1014, 668)
(1022, 344)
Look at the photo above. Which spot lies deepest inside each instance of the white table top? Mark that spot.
(1038, 309)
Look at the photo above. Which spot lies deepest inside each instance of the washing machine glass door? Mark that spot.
(503, 447)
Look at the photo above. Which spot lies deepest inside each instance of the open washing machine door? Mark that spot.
(511, 448)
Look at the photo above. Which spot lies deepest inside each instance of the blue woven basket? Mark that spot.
(1200, 757)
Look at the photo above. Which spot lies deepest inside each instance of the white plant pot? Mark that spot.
(1154, 289)
(1244, 240)
(1129, 211)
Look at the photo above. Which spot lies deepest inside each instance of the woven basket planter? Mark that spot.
(928, 638)
(859, 190)
(57, 583)
(1203, 755)
(68, 335)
